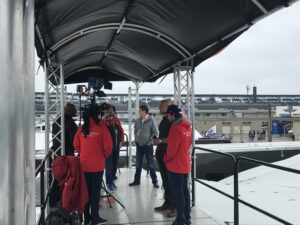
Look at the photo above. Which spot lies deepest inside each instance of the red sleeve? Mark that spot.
(121, 130)
(76, 142)
(173, 144)
(106, 141)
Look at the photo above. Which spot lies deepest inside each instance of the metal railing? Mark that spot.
(236, 188)
(126, 150)
(235, 168)
(40, 170)
(201, 182)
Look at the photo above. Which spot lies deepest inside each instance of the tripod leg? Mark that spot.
(107, 194)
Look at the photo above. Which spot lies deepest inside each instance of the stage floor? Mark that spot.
(139, 202)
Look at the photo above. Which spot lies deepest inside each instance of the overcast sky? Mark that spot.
(267, 55)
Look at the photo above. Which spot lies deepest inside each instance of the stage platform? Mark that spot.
(139, 202)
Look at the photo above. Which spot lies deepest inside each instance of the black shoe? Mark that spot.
(134, 183)
(87, 222)
(99, 221)
(172, 213)
(164, 207)
(155, 185)
(115, 178)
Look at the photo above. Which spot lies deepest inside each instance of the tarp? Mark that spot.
(139, 40)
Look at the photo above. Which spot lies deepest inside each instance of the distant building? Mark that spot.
(233, 115)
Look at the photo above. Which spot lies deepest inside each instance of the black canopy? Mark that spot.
(139, 40)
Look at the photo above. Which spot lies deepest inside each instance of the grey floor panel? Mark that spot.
(139, 204)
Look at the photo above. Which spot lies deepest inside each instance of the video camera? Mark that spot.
(94, 87)
(92, 90)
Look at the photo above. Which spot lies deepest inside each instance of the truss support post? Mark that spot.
(63, 97)
(55, 96)
(184, 91)
(137, 98)
(133, 111)
(184, 98)
(177, 92)
(130, 126)
(54, 111)
(47, 128)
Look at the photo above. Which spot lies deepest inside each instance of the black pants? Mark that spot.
(169, 199)
(146, 150)
(54, 192)
(111, 165)
(93, 181)
(181, 193)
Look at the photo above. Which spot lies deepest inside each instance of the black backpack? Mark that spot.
(59, 216)
(55, 218)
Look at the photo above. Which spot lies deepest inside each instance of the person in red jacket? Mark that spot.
(93, 143)
(115, 128)
(177, 159)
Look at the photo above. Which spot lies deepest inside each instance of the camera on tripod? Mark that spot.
(94, 88)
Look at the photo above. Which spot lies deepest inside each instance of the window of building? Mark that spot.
(247, 123)
(226, 123)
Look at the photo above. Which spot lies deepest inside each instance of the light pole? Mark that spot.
(270, 123)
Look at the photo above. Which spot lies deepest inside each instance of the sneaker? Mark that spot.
(99, 221)
(110, 188)
(161, 208)
(134, 183)
(113, 185)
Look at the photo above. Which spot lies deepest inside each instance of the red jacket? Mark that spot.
(177, 157)
(66, 170)
(116, 121)
(93, 149)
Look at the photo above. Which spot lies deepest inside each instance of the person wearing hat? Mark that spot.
(177, 159)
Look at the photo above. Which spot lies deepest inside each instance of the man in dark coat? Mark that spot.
(162, 145)
(70, 131)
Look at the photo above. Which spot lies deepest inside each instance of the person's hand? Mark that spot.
(156, 141)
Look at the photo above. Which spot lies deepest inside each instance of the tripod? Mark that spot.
(109, 195)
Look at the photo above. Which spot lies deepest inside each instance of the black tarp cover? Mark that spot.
(139, 40)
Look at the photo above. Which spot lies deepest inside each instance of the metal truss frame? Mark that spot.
(133, 112)
(54, 108)
(184, 98)
(184, 91)
(172, 43)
